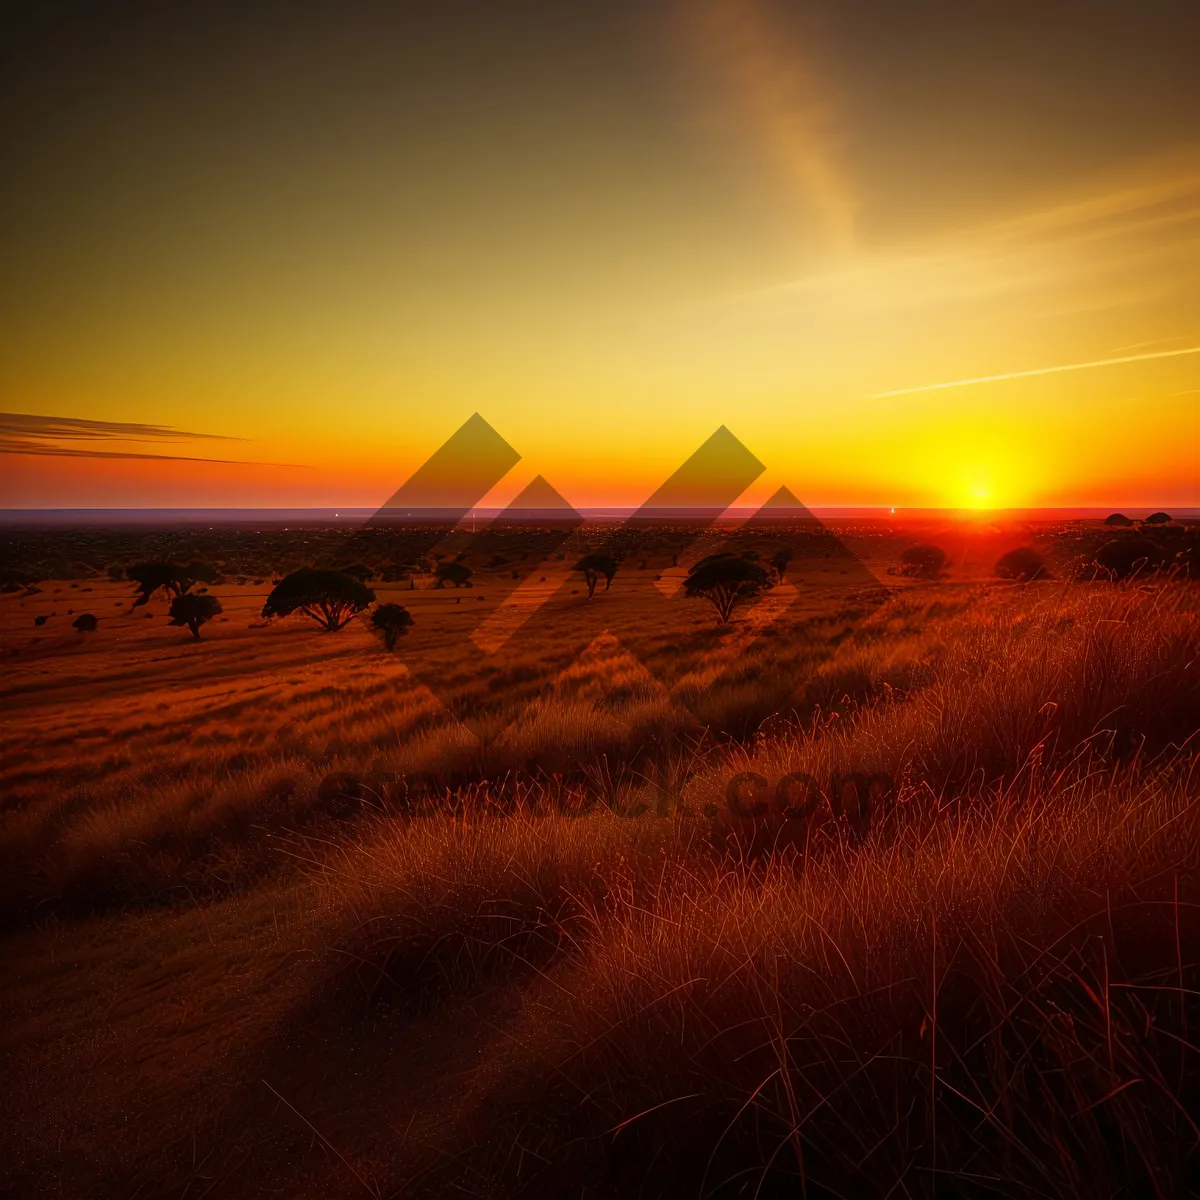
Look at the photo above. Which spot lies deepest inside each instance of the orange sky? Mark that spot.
(608, 229)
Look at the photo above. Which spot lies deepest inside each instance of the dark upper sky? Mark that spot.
(545, 210)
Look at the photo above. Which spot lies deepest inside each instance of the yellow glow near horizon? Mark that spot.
(609, 244)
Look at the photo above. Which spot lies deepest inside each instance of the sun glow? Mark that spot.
(740, 245)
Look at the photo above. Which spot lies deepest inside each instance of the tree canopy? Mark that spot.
(726, 580)
(193, 611)
(330, 598)
(390, 622)
(171, 577)
(150, 576)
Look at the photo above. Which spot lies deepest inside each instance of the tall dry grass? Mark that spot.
(940, 689)
(994, 991)
(172, 781)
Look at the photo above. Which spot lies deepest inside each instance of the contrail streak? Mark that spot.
(1100, 362)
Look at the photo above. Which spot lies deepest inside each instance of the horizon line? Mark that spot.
(364, 512)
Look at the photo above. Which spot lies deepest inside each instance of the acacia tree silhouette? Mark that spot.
(194, 611)
(330, 598)
(593, 566)
(172, 578)
(725, 580)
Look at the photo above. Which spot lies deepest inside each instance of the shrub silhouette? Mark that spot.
(1158, 518)
(593, 566)
(358, 571)
(1127, 555)
(330, 598)
(1023, 564)
(1117, 519)
(922, 562)
(85, 623)
(150, 576)
(456, 573)
(193, 611)
(725, 580)
(390, 622)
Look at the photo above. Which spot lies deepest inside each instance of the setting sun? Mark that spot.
(627, 229)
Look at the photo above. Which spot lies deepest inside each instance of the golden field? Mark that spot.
(277, 923)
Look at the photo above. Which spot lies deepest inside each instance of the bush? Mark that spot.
(390, 622)
(456, 573)
(194, 611)
(1122, 557)
(1023, 564)
(923, 562)
(1117, 519)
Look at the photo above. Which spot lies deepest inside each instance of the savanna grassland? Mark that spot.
(277, 921)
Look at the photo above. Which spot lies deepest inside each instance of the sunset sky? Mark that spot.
(324, 235)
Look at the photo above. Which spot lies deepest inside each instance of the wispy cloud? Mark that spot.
(1128, 225)
(786, 102)
(23, 433)
(27, 425)
(1166, 341)
(1082, 366)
